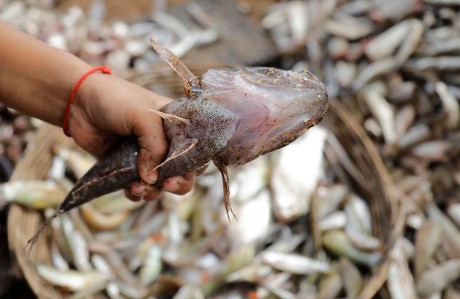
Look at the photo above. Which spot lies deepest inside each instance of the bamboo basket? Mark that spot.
(376, 187)
(23, 222)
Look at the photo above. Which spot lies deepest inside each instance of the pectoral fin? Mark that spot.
(226, 184)
(170, 117)
(184, 148)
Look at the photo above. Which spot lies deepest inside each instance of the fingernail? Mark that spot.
(152, 176)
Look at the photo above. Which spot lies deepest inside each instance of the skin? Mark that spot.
(37, 80)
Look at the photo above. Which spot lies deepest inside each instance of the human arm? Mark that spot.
(37, 80)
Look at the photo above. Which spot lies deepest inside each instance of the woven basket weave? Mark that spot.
(24, 222)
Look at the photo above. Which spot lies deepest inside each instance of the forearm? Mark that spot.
(35, 78)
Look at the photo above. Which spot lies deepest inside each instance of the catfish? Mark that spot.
(230, 117)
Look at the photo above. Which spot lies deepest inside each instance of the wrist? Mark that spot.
(79, 95)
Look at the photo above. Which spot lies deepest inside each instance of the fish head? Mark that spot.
(273, 107)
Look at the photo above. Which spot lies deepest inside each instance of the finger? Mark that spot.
(139, 191)
(137, 188)
(152, 193)
(135, 191)
(180, 185)
(132, 197)
(153, 149)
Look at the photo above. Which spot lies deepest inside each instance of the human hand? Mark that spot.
(107, 107)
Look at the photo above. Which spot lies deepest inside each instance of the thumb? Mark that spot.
(153, 146)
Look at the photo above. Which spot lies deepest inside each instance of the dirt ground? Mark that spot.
(131, 10)
(115, 9)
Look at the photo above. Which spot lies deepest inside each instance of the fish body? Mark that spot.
(238, 115)
(230, 117)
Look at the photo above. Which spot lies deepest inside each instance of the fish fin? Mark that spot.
(228, 206)
(170, 117)
(191, 82)
(186, 147)
(32, 241)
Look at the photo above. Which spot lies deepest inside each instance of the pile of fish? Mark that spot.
(14, 135)
(393, 65)
(309, 224)
(118, 44)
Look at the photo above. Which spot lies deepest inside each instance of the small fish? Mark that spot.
(294, 263)
(438, 277)
(352, 278)
(338, 243)
(427, 241)
(70, 279)
(400, 281)
(152, 264)
(330, 286)
(77, 245)
(102, 221)
(386, 43)
(33, 194)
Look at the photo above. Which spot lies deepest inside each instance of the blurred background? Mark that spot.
(365, 205)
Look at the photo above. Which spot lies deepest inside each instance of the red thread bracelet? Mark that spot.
(65, 120)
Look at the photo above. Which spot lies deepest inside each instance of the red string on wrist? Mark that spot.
(65, 119)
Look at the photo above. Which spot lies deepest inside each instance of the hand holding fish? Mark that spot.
(230, 117)
(108, 107)
(37, 80)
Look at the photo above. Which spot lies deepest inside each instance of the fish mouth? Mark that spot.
(318, 82)
(266, 77)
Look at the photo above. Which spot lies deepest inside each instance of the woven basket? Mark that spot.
(377, 185)
(23, 222)
(377, 188)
